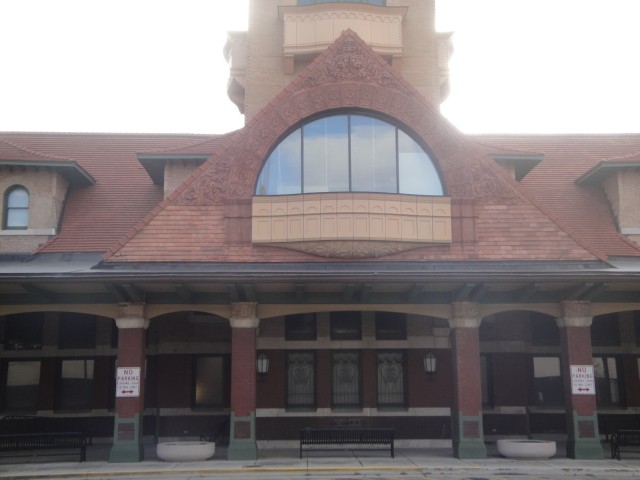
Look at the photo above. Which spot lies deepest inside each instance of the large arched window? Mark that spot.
(349, 153)
(16, 208)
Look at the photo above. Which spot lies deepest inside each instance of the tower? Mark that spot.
(285, 36)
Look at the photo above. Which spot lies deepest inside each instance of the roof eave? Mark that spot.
(604, 169)
(523, 164)
(72, 171)
(155, 164)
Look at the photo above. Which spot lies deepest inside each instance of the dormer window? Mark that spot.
(16, 210)
(349, 153)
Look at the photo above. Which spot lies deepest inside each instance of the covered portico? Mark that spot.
(247, 295)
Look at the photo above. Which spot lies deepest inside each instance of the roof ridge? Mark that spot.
(35, 152)
(499, 149)
(107, 134)
(190, 145)
(621, 157)
(555, 134)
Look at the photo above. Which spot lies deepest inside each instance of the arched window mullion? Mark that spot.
(397, 161)
(349, 156)
(302, 160)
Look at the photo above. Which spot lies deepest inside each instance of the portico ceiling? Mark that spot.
(40, 282)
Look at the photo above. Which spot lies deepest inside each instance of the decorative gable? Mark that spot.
(209, 217)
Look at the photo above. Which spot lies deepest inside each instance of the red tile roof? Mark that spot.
(96, 217)
(582, 209)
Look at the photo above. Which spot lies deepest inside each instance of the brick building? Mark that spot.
(378, 267)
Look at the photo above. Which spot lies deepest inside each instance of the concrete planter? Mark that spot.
(185, 451)
(527, 449)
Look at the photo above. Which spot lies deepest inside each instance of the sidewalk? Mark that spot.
(286, 461)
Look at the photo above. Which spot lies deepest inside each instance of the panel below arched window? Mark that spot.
(349, 153)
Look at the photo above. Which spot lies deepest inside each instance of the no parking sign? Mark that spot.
(128, 382)
(582, 380)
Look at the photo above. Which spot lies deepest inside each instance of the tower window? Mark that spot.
(16, 210)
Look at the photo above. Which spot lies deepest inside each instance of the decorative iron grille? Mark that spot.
(347, 387)
(300, 380)
(391, 383)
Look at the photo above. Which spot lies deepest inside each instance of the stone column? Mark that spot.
(466, 412)
(242, 437)
(127, 428)
(583, 438)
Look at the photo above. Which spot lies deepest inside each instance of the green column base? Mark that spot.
(242, 438)
(469, 449)
(472, 445)
(127, 440)
(584, 448)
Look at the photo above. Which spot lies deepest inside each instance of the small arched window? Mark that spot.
(349, 153)
(16, 210)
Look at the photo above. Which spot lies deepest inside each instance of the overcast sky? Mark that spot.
(157, 66)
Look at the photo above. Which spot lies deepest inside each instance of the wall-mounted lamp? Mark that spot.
(262, 364)
(430, 363)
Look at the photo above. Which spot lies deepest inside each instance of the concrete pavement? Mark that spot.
(285, 462)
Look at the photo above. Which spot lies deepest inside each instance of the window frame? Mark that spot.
(88, 406)
(23, 331)
(72, 322)
(607, 401)
(344, 317)
(225, 387)
(486, 371)
(300, 335)
(8, 208)
(382, 333)
(534, 390)
(5, 379)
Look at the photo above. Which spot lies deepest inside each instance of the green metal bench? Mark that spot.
(626, 440)
(46, 443)
(354, 438)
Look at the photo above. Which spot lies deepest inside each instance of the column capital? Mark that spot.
(464, 315)
(575, 313)
(244, 315)
(131, 315)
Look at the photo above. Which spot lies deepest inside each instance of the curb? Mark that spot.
(160, 472)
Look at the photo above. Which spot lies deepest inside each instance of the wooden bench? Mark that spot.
(624, 438)
(354, 437)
